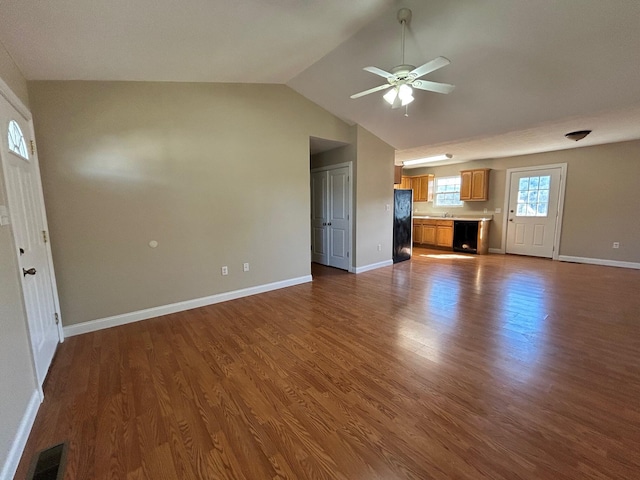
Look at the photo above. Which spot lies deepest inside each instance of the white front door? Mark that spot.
(26, 213)
(330, 222)
(534, 201)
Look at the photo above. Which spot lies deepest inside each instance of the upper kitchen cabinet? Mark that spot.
(474, 185)
(422, 188)
(405, 183)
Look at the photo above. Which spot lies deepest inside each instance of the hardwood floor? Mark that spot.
(443, 367)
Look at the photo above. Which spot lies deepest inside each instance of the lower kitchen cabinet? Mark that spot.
(440, 233)
(429, 234)
(444, 233)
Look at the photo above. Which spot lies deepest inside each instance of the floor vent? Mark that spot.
(49, 464)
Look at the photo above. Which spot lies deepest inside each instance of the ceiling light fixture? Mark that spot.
(404, 93)
(435, 158)
(577, 135)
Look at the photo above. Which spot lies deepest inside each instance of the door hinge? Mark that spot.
(57, 318)
(45, 237)
(33, 147)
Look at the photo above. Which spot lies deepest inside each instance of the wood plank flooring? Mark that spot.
(444, 367)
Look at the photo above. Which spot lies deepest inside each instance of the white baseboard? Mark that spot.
(108, 322)
(20, 439)
(373, 266)
(497, 250)
(599, 261)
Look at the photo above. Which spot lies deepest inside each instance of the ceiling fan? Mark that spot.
(403, 78)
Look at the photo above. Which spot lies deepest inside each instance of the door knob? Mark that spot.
(511, 219)
(324, 224)
(329, 223)
(31, 271)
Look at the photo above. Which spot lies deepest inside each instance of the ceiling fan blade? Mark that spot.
(433, 86)
(378, 71)
(371, 90)
(429, 67)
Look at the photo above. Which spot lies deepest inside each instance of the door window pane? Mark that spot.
(16, 140)
(533, 196)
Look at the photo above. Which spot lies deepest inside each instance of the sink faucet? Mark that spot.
(445, 214)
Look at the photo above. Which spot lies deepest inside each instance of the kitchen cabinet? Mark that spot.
(444, 233)
(417, 232)
(429, 234)
(397, 174)
(474, 185)
(422, 188)
(434, 232)
(405, 183)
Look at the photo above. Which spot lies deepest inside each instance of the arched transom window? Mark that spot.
(16, 140)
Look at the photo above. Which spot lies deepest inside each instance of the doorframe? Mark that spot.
(561, 192)
(349, 209)
(23, 110)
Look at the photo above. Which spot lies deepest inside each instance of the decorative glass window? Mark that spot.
(447, 192)
(533, 196)
(16, 140)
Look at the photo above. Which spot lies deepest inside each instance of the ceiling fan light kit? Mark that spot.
(403, 78)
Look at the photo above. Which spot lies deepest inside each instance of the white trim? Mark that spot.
(373, 266)
(599, 261)
(14, 100)
(108, 322)
(561, 194)
(20, 439)
(497, 250)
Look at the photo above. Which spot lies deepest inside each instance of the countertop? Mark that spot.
(440, 217)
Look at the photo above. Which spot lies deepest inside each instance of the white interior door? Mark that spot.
(534, 200)
(338, 218)
(319, 232)
(26, 212)
(330, 217)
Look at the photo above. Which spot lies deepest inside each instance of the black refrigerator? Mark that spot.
(402, 225)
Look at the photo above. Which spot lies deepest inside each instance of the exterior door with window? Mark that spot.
(26, 210)
(534, 199)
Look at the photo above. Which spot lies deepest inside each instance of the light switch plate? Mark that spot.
(4, 216)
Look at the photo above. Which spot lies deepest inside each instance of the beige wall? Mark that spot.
(217, 174)
(374, 191)
(17, 377)
(601, 200)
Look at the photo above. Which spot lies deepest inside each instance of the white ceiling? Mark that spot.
(526, 72)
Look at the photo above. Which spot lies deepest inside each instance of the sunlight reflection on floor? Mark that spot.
(446, 256)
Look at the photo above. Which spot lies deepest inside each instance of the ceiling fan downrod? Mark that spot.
(404, 17)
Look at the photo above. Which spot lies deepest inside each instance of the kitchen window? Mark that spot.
(447, 192)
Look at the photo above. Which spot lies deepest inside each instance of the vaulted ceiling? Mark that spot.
(526, 72)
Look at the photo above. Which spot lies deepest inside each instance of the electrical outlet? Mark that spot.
(387, 207)
(225, 270)
(616, 244)
(498, 210)
(379, 247)
(245, 267)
